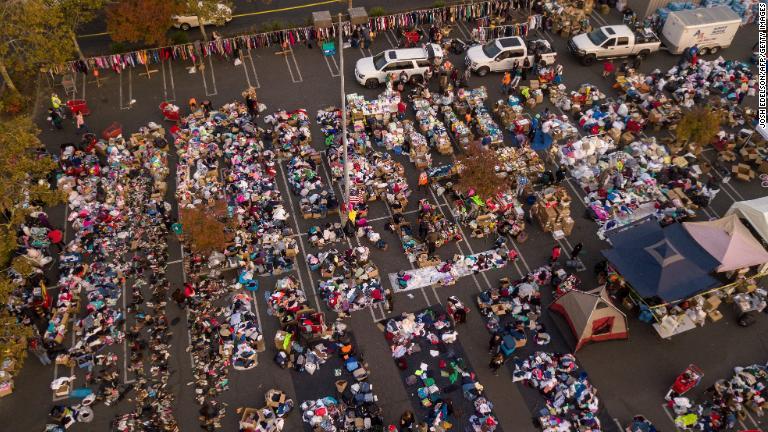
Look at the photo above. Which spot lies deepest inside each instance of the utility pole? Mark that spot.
(344, 122)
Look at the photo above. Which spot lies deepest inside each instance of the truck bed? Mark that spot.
(645, 35)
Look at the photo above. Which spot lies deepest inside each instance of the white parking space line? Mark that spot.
(333, 68)
(366, 52)
(724, 185)
(670, 416)
(253, 69)
(245, 69)
(126, 104)
(165, 85)
(85, 76)
(301, 240)
(394, 38)
(389, 40)
(600, 20)
(170, 75)
(295, 63)
(544, 35)
(256, 310)
(465, 33)
(463, 238)
(213, 78)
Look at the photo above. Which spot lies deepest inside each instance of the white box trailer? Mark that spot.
(710, 28)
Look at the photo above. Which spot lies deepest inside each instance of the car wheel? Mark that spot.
(703, 51)
(643, 54)
(714, 50)
(186, 27)
(483, 71)
(589, 60)
(372, 83)
(415, 79)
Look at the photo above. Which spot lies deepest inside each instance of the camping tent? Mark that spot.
(756, 212)
(591, 316)
(729, 241)
(661, 262)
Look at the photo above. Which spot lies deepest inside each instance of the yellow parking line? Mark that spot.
(93, 35)
(303, 6)
(285, 8)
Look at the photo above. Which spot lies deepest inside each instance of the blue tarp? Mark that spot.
(541, 140)
(661, 262)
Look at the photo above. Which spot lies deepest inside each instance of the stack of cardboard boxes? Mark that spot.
(570, 16)
(553, 212)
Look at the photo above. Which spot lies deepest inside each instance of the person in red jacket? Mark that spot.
(555, 254)
(55, 236)
(607, 68)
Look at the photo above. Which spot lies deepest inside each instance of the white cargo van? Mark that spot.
(709, 28)
(373, 71)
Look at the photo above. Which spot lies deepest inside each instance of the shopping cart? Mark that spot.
(329, 48)
(78, 105)
(690, 378)
(170, 111)
(114, 130)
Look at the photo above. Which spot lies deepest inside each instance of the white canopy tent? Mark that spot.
(728, 241)
(756, 212)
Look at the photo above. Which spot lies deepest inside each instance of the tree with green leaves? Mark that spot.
(145, 21)
(77, 13)
(33, 33)
(698, 127)
(207, 11)
(23, 180)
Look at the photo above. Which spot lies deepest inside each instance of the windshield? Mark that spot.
(379, 61)
(597, 37)
(491, 49)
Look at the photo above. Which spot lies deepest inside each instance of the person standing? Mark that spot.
(607, 68)
(496, 363)
(55, 236)
(576, 250)
(80, 123)
(555, 254)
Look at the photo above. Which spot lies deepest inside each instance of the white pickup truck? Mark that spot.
(709, 29)
(613, 42)
(501, 54)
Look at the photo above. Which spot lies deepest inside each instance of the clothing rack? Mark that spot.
(477, 12)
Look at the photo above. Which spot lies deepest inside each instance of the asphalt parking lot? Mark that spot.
(631, 376)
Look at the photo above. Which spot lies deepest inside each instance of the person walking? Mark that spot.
(80, 123)
(56, 103)
(496, 362)
(55, 118)
(506, 83)
(423, 180)
(576, 250)
(555, 254)
(494, 343)
(607, 68)
(37, 348)
(517, 71)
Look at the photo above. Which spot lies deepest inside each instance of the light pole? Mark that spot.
(344, 122)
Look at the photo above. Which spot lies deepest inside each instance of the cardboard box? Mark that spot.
(627, 138)
(743, 172)
(6, 388)
(534, 84)
(712, 303)
(539, 98)
(715, 315)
